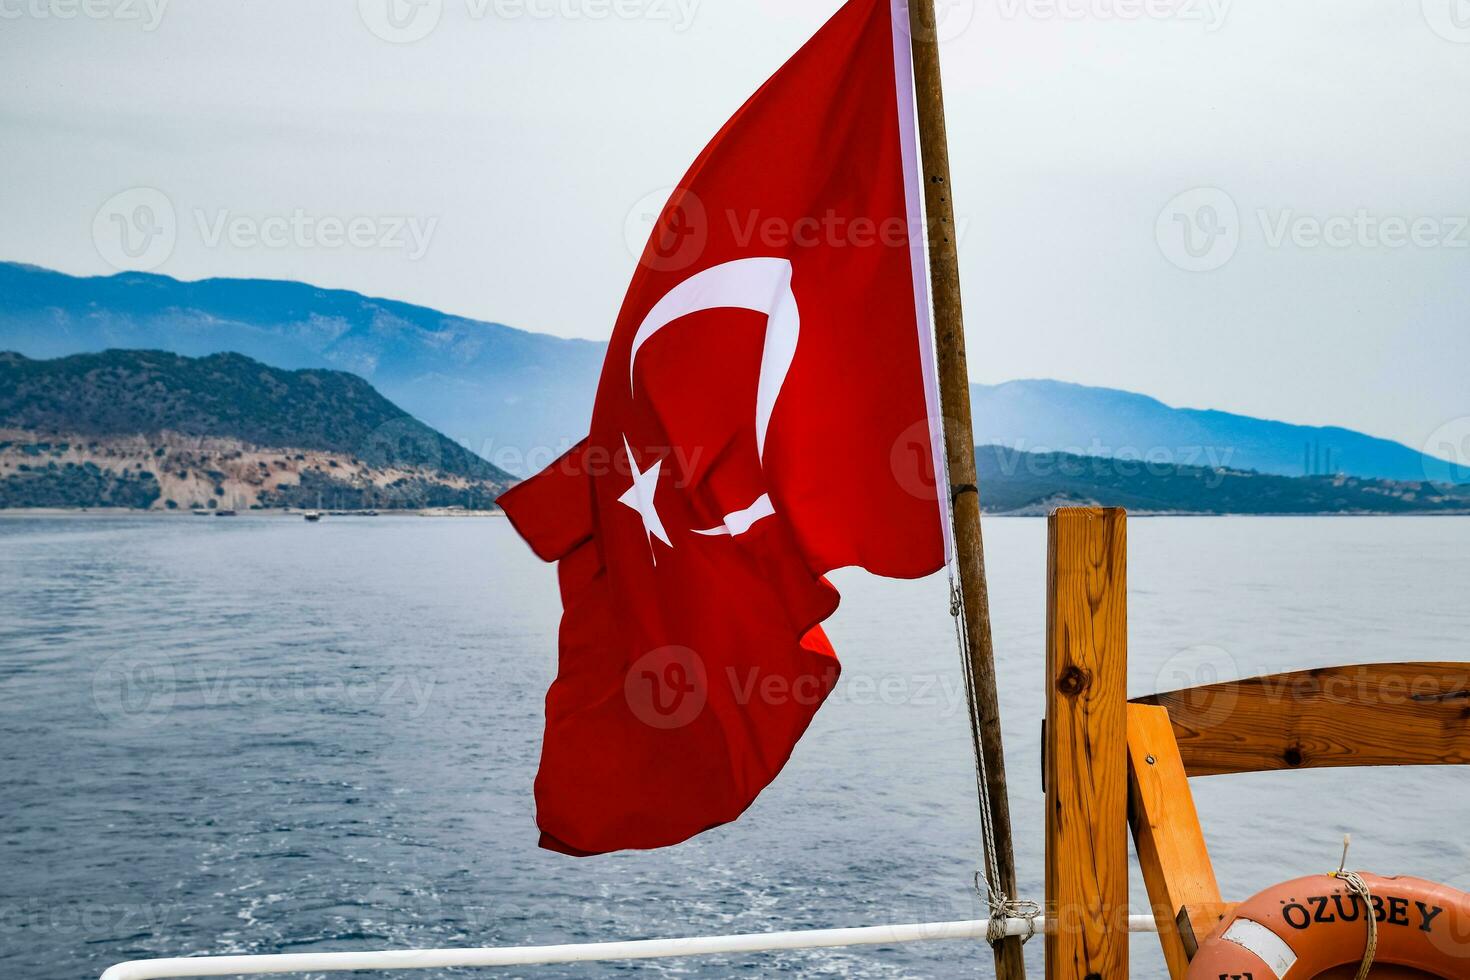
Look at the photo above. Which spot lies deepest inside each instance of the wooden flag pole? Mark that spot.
(954, 386)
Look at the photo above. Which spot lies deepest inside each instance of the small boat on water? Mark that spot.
(224, 513)
(312, 516)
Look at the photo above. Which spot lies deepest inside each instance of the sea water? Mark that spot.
(258, 735)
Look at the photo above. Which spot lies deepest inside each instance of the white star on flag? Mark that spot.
(640, 498)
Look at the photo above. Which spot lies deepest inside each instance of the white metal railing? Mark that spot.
(428, 959)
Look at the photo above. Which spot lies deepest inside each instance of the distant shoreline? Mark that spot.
(22, 513)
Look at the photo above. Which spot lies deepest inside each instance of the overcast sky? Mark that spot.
(515, 137)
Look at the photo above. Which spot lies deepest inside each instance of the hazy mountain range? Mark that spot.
(1044, 416)
(518, 398)
(486, 385)
(154, 430)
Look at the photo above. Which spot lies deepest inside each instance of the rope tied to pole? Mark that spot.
(1360, 891)
(1002, 906)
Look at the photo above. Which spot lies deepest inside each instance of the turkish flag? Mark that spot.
(766, 413)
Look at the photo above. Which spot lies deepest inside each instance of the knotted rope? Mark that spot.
(1002, 906)
(1359, 889)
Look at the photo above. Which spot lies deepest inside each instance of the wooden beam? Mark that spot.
(954, 389)
(1166, 834)
(1086, 751)
(1364, 715)
(1194, 923)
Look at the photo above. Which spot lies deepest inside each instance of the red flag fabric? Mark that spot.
(766, 414)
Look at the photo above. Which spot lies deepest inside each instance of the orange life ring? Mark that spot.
(1315, 926)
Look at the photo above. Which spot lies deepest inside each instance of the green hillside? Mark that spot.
(1012, 481)
(148, 429)
(120, 392)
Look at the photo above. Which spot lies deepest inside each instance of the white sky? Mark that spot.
(521, 143)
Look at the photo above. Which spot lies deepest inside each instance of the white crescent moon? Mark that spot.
(762, 285)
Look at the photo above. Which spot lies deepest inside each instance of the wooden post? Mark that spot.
(954, 388)
(1086, 748)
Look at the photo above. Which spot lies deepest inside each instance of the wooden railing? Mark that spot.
(1110, 765)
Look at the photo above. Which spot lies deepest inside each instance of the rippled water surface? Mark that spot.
(259, 735)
